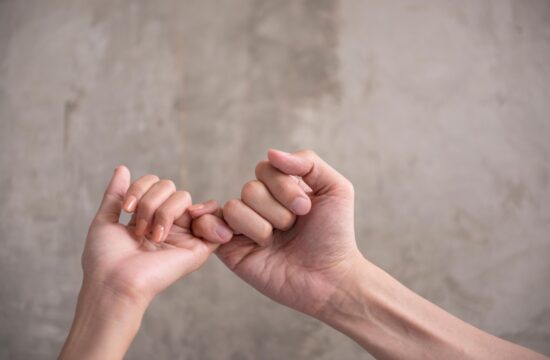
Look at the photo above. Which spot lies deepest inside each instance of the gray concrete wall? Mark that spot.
(438, 111)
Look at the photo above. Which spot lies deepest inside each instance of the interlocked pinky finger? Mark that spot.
(212, 228)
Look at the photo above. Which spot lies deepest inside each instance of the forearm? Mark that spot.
(104, 326)
(392, 322)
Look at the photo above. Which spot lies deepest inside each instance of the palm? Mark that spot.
(139, 264)
(302, 261)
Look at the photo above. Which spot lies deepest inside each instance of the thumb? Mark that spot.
(111, 205)
(315, 172)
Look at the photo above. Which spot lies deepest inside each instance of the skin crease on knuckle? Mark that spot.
(140, 187)
(261, 166)
(148, 206)
(310, 154)
(287, 221)
(266, 233)
(230, 212)
(231, 206)
(281, 184)
(181, 198)
(252, 189)
(287, 189)
(185, 196)
(254, 192)
(261, 230)
(169, 184)
(284, 219)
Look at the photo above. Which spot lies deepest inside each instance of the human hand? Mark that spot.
(156, 248)
(125, 266)
(311, 263)
(298, 261)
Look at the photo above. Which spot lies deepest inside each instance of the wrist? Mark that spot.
(121, 284)
(348, 296)
(372, 308)
(105, 323)
(110, 303)
(392, 322)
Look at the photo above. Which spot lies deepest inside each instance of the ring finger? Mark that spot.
(149, 203)
(256, 195)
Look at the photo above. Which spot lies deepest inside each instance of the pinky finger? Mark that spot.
(209, 207)
(211, 228)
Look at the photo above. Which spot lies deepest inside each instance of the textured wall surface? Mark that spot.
(438, 111)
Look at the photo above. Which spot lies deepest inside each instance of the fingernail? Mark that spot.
(130, 203)
(158, 231)
(300, 205)
(195, 207)
(141, 225)
(223, 233)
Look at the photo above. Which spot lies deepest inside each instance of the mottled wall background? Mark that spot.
(438, 111)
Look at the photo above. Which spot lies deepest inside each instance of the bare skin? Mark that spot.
(298, 267)
(126, 266)
(291, 236)
(314, 266)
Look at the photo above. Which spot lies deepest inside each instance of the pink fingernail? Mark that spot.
(158, 231)
(300, 205)
(130, 203)
(223, 233)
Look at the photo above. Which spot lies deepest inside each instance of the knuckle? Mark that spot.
(230, 213)
(264, 235)
(287, 220)
(230, 206)
(136, 189)
(261, 166)
(168, 184)
(185, 195)
(141, 185)
(251, 189)
(150, 177)
(286, 189)
(308, 153)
